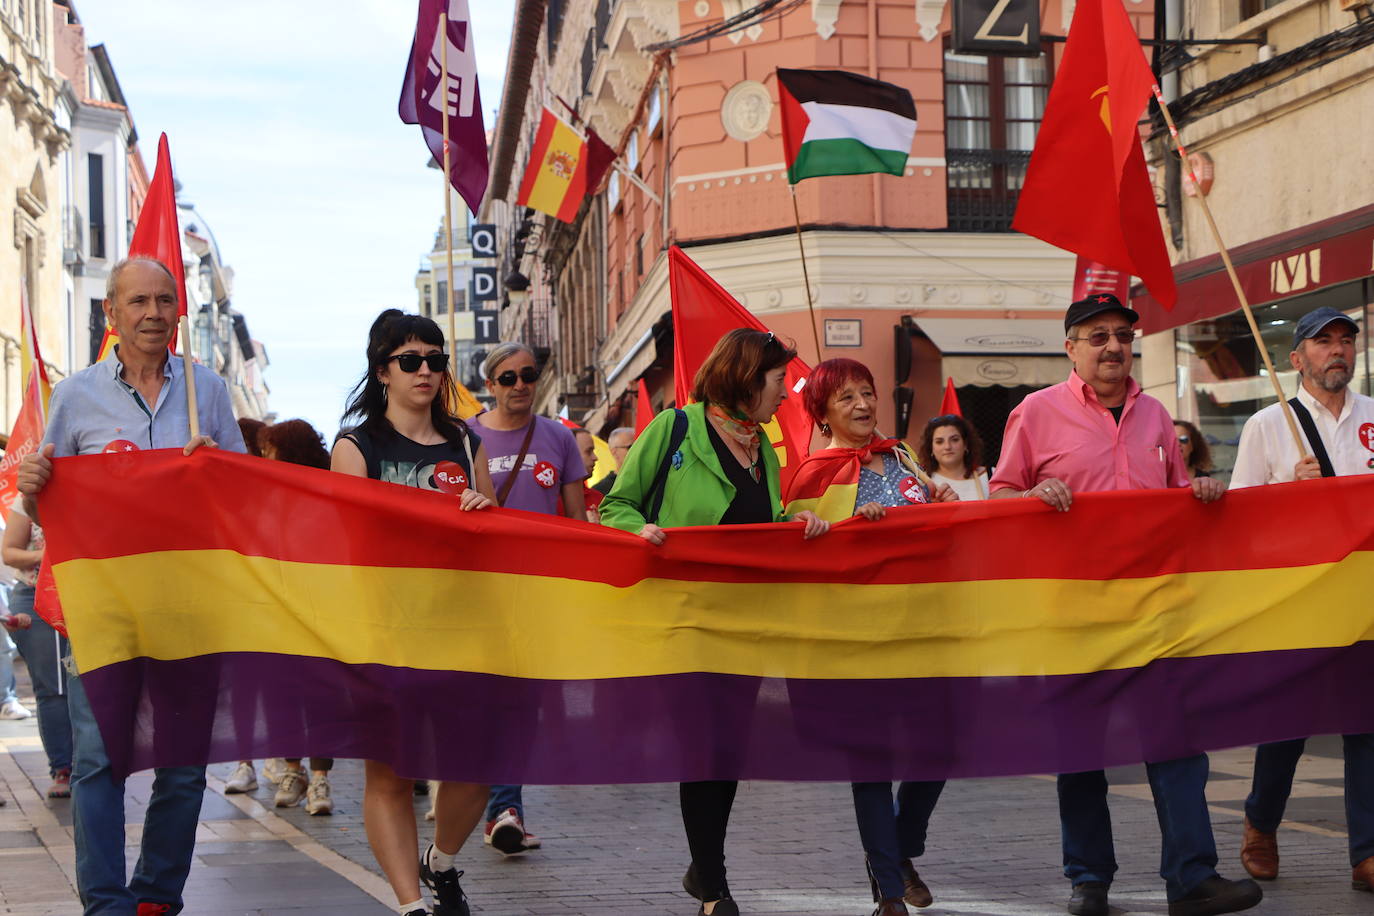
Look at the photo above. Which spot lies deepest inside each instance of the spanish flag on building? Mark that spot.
(564, 167)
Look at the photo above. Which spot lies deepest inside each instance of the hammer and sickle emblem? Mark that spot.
(1105, 113)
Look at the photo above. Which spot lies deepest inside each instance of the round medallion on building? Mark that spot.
(746, 109)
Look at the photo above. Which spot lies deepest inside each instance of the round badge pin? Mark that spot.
(546, 475)
(119, 446)
(449, 477)
(1367, 435)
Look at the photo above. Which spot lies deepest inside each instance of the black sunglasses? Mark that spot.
(529, 375)
(410, 362)
(1100, 338)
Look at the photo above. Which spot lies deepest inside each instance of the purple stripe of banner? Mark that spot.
(483, 728)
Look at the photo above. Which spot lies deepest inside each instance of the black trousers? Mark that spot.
(705, 816)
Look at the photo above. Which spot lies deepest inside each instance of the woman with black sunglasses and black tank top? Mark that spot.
(406, 434)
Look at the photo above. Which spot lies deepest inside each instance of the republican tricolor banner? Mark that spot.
(343, 617)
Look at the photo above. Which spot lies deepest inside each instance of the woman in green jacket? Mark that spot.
(720, 470)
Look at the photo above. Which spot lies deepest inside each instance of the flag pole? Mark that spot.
(188, 367)
(448, 191)
(1231, 271)
(806, 277)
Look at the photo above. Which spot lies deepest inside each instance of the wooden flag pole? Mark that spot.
(1235, 278)
(188, 367)
(806, 276)
(448, 190)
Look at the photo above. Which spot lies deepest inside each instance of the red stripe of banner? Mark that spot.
(219, 500)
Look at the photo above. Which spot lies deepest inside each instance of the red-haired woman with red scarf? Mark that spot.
(862, 473)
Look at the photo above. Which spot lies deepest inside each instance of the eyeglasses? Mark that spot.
(1100, 338)
(410, 362)
(1183, 440)
(529, 375)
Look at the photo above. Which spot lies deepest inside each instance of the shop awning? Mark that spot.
(985, 336)
(1000, 351)
(1335, 250)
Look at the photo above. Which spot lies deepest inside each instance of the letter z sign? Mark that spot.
(1005, 28)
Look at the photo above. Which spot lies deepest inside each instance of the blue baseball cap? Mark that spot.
(1311, 324)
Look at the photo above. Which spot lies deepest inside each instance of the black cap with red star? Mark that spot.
(1094, 305)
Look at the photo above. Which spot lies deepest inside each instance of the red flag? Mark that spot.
(158, 234)
(1087, 189)
(703, 312)
(32, 422)
(644, 409)
(950, 405)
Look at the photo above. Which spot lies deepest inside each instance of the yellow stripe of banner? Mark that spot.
(556, 170)
(200, 602)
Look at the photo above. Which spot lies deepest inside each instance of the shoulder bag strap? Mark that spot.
(1314, 438)
(660, 485)
(519, 462)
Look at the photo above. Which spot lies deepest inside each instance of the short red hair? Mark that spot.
(827, 378)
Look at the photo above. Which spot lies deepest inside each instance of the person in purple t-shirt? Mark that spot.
(533, 461)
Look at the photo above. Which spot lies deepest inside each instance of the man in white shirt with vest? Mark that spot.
(1338, 425)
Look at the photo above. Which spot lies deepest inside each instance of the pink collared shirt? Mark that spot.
(1062, 431)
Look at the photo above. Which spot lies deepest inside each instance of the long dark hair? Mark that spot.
(973, 443)
(367, 402)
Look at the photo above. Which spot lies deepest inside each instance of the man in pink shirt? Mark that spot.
(1098, 431)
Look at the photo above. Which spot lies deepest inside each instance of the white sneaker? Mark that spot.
(243, 780)
(291, 789)
(272, 769)
(317, 800)
(13, 709)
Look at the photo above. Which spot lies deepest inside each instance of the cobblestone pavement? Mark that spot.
(793, 848)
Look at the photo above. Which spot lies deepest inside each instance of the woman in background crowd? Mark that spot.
(952, 452)
(405, 432)
(724, 473)
(297, 442)
(859, 473)
(1197, 454)
(42, 647)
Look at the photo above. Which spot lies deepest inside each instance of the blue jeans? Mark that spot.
(1274, 767)
(169, 829)
(43, 649)
(7, 683)
(890, 835)
(503, 797)
(1188, 854)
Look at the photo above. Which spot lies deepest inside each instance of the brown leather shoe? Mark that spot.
(892, 906)
(1362, 878)
(914, 890)
(1259, 853)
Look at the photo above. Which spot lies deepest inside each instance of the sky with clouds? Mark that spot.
(281, 115)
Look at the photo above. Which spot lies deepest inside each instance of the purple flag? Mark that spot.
(420, 97)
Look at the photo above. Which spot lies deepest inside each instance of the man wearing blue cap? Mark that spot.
(1338, 425)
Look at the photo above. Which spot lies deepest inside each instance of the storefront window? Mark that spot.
(1221, 382)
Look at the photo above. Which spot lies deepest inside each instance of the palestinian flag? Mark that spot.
(839, 123)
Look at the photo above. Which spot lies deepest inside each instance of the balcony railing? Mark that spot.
(983, 185)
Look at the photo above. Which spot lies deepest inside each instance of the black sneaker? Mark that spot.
(1217, 895)
(1089, 899)
(449, 899)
